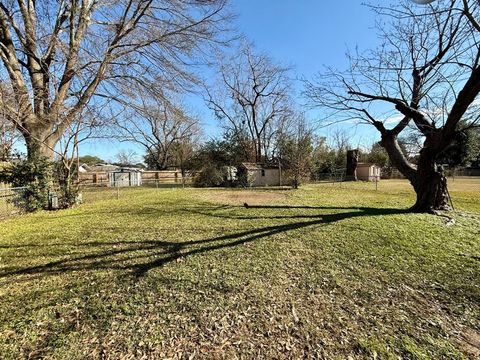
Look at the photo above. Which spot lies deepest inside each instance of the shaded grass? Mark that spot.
(325, 271)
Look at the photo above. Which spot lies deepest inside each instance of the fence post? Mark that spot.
(8, 205)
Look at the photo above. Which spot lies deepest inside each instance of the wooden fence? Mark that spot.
(94, 178)
(101, 178)
(162, 177)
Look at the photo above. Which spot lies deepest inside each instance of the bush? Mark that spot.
(209, 176)
(34, 175)
(68, 193)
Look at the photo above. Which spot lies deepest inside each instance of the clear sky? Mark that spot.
(305, 34)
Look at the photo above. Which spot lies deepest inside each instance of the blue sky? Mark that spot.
(305, 34)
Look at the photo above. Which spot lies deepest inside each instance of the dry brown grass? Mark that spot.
(250, 197)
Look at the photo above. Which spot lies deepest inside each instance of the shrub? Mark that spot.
(209, 176)
(34, 175)
(68, 193)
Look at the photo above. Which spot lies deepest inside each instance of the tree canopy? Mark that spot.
(60, 55)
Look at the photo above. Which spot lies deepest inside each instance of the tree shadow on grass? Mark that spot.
(326, 218)
(139, 257)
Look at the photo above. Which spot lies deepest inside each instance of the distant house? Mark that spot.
(259, 175)
(84, 168)
(368, 172)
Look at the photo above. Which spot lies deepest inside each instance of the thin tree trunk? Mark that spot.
(258, 155)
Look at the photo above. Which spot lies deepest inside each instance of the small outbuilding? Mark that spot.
(368, 172)
(124, 177)
(257, 175)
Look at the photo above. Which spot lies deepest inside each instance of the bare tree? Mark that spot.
(252, 100)
(126, 157)
(86, 126)
(427, 73)
(160, 126)
(340, 142)
(295, 151)
(183, 152)
(58, 55)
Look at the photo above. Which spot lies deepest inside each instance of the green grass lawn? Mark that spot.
(326, 271)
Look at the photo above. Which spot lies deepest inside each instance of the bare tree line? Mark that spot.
(8, 130)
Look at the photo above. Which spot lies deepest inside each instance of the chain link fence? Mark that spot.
(88, 192)
(117, 189)
(7, 200)
(334, 176)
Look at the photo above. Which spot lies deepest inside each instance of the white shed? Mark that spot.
(125, 177)
(368, 172)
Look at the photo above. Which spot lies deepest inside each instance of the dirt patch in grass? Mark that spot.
(470, 342)
(250, 197)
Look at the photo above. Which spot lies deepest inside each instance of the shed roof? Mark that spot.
(366, 165)
(128, 169)
(254, 167)
(251, 166)
(103, 167)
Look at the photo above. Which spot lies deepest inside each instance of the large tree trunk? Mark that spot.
(432, 193)
(39, 146)
(430, 185)
(258, 152)
(427, 179)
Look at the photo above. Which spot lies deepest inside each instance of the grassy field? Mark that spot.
(326, 271)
